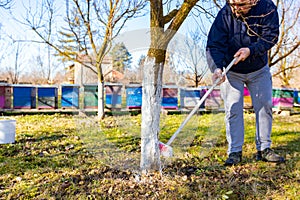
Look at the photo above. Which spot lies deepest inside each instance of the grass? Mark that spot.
(72, 157)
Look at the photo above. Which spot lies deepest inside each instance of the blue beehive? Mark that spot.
(24, 97)
(296, 97)
(113, 98)
(189, 97)
(170, 97)
(47, 97)
(134, 96)
(70, 96)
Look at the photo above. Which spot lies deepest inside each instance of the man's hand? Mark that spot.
(242, 54)
(218, 74)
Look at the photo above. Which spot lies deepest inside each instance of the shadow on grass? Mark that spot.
(44, 137)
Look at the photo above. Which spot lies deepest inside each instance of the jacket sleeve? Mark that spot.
(217, 43)
(269, 35)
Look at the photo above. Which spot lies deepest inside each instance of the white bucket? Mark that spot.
(7, 131)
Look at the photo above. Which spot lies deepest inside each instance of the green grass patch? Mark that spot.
(72, 157)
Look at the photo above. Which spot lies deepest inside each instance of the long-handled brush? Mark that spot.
(165, 149)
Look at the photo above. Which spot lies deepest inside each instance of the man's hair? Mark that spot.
(252, 2)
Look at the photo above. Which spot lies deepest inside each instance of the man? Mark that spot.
(245, 29)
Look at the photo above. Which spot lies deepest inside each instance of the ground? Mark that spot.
(71, 157)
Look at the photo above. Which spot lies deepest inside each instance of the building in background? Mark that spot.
(86, 73)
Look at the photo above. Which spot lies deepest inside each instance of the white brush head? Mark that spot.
(165, 150)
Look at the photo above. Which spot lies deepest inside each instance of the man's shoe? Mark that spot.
(233, 158)
(268, 155)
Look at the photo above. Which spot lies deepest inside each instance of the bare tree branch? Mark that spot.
(6, 4)
(286, 54)
(170, 16)
(286, 69)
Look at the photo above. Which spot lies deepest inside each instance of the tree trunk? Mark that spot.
(101, 112)
(152, 89)
(153, 73)
(101, 102)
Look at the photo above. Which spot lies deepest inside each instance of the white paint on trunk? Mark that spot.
(151, 106)
(100, 99)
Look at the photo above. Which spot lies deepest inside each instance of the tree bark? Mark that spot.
(152, 83)
(101, 112)
(152, 88)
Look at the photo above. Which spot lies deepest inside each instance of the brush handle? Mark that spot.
(200, 102)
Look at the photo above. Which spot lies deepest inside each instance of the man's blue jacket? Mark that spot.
(258, 30)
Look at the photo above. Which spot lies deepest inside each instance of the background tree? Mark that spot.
(15, 70)
(189, 59)
(170, 76)
(100, 22)
(74, 37)
(121, 57)
(42, 72)
(284, 57)
(6, 4)
(31, 14)
(141, 64)
(135, 75)
(6, 73)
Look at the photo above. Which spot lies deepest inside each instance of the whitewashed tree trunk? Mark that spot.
(151, 105)
(100, 100)
(153, 72)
